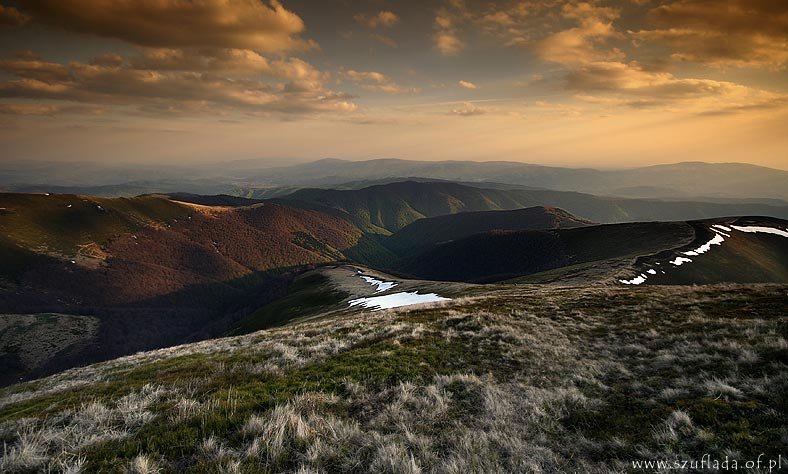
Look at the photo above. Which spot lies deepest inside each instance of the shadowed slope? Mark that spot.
(608, 252)
(429, 231)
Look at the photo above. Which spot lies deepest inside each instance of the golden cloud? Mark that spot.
(579, 45)
(284, 86)
(243, 24)
(383, 19)
(467, 85)
(739, 33)
(631, 85)
(377, 82)
(448, 44)
(468, 109)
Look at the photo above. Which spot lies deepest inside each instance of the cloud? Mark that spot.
(579, 45)
(282, 86)
(467, 85)
(631, 85)
(448, 44)
(448, 19)
(29, 109)
(738, 33)
(243, 24)
(10, 16)
(468, 109)
(597, 71)
(507, 22)
(377, 82)
(236, 62)
(383, 19)
(36, 68)
(390, 42)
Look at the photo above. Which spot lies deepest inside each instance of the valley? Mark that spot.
(161, 270)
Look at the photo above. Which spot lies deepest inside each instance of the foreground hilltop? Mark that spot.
(532, 379)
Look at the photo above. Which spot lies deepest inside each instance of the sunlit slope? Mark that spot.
(131, 249)
(62, 224)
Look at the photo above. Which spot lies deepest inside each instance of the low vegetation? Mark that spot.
(523, 379)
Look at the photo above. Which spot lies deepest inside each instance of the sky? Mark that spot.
(617, 83)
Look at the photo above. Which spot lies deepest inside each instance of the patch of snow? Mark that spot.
(722, 227)
(678, 261)
(764, 230)
(651, 271)
(717, 240)
(396, 300)
(638, 280)
(69, 206)
(382, 285)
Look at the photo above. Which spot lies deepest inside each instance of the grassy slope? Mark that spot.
(535, 380)
(309, 295)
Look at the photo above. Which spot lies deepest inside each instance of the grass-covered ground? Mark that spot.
(524, 379)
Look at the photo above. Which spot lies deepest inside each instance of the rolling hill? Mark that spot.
(390, 207)
(153, 271)
(156, 272)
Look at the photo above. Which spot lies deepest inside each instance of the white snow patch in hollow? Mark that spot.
(382, 285)
(764, 230)
(638, 280)
(396, 300)
(678, 261)
(721, 227)
(717, 240)
(651, 271)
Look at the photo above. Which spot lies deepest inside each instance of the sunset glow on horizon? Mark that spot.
(615, 83)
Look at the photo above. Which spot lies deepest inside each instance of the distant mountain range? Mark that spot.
(690, 180)
(677, 180)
